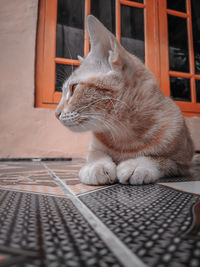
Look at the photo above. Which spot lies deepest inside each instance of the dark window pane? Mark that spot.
(178, 44)
(198, 90)
(132, 30)
(70, 29)
(178, 5)
(104, 10)
(62, 73)
(196, 32)
(180, 89)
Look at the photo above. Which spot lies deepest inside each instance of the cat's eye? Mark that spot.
(72, 88)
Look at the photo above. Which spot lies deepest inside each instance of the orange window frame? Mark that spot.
(188, 108)
(156, 49)
(46, 96)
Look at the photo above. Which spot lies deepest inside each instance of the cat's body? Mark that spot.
(138, 134)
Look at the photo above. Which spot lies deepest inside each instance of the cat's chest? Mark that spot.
(118, 151)
(119, 157)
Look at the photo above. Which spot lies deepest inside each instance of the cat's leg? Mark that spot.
(145, 170)
(99, 170)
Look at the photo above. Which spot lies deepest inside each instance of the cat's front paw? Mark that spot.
(137, 171)
(98, 173)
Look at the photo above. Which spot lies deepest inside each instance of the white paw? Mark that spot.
(98, 173)
(138, 171)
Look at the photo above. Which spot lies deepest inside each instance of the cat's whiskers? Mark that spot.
(82, 125)
(61, 71)
(110, 129)
(106, 124)
(61, 75)
(111, 120)
(110, 99)
(102, 99)
(116, 99)
(109, 123)
(90, 104)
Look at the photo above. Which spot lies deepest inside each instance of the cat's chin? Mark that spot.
(77, 128)
(83, 126)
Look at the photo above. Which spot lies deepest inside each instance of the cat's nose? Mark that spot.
(59, 109)
(57, 114)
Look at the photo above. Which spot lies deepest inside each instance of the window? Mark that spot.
(180, 50)
(164, 34)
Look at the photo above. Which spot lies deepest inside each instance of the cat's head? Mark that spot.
(96, 94)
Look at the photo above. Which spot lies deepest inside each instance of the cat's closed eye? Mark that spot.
(72, 88)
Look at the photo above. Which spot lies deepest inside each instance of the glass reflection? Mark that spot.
(62, 73)
(180, 89)
(196, 32)
(70, 29)
(178, 5)
(104, 10)
(132, 30)
(178, 44)
(198, 91)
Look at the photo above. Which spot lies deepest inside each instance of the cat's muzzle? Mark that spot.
(69, 118)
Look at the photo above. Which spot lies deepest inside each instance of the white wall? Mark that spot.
(26, 131)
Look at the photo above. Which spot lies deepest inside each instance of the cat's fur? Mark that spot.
(138, 134)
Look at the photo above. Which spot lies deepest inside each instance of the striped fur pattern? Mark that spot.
(138, 134)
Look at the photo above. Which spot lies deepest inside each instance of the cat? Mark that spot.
(138, 134)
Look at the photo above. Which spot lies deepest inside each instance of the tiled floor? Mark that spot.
(48, 218)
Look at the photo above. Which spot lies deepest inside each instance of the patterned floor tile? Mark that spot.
(33, 177)
(39, 230)
(27, 176)
(68, 172)
(160, 225)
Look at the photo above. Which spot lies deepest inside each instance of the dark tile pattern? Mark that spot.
(152, 220)
(41, 230)
(159, 224)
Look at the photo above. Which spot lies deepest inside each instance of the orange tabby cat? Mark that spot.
(138, 134)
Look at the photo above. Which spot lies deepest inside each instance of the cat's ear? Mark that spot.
(116, 58)
(99, 36)
(105, 45)
(119, 59)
